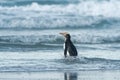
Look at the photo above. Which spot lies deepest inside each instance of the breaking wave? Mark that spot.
(85, 14)
(55, 39)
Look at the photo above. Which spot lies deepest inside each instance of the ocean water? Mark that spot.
(30, 39)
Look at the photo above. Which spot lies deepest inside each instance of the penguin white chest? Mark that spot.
(64, 46)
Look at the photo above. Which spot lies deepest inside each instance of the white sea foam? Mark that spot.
(95, 8)
(60, 16)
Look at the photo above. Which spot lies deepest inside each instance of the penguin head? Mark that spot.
(66, 35)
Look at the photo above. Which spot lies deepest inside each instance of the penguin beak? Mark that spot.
(63, 33)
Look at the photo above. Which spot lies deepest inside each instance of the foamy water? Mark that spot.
(30, 39)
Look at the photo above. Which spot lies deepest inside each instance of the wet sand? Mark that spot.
(57, 75)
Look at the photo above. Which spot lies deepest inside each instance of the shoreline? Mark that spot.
(62, 75)
(92, 70)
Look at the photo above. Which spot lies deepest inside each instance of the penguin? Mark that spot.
(68, 45)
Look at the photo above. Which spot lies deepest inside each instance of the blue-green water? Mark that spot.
(30, 39)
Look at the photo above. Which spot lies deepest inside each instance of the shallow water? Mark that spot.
(80, 75)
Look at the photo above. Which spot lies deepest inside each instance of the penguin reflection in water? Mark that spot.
(70, 76)
(69, 46)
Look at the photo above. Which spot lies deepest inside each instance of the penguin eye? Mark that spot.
(67, 36)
